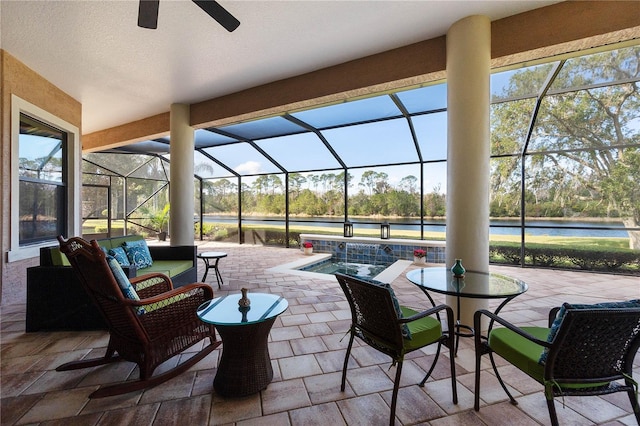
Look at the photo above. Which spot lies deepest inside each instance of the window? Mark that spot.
(45, 179)
(41, 156)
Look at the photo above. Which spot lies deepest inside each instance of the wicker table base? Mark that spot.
(245, 366)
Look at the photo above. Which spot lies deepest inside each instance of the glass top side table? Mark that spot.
(245, 365)
(225, 310)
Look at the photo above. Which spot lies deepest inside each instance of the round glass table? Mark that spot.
(245, 364)
(478, 285)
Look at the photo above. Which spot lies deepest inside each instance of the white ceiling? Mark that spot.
(94, 50)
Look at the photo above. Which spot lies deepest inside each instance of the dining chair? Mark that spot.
(380, 322)
(586, 350)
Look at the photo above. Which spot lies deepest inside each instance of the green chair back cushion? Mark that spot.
(58, 258)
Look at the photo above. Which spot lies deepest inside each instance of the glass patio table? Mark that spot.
(245, 364)
(478, 285)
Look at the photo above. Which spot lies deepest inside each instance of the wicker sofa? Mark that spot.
(56, 300)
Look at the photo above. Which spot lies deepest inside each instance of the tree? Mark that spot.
(296, 180)
(586, 133)
(409, 184)
(375, 182)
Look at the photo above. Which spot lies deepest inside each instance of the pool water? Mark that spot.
(357, 269)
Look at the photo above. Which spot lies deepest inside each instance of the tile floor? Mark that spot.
(307, 350)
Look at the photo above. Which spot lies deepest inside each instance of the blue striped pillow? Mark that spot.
(120, 255)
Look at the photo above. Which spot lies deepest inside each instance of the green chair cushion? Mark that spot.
(521, 352)
(118, 241)
(169, 267)
(524, 354)
(423, 331)
(155, 306)
(58, 258)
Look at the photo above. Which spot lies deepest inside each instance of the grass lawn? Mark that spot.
(90, 226)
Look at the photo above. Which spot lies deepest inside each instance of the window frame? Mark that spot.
(71, 164)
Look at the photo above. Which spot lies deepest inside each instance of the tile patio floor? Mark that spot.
(307, 352)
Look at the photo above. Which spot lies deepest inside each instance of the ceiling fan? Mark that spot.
(148, 14)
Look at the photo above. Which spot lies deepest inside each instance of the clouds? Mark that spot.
(248, 167)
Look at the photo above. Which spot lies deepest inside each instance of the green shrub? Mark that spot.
(214, 231)
(588, 259)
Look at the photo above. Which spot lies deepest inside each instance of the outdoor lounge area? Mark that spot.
(415, 133)
(307, 345)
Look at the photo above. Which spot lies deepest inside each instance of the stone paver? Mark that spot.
(307, 346)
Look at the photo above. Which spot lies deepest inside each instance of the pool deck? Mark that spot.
(307, 348)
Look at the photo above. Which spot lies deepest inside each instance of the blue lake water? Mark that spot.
(563, 228)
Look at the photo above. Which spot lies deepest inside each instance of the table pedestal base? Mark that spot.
(245, 365)
(469, 333)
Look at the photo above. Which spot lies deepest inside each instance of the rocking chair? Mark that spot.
(154, 325)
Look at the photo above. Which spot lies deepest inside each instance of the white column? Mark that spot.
(181, 185)
(468, 101)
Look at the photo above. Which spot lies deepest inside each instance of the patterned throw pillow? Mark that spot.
(122, 280)
(138, 253)
(635, 303)
(120, 255)
(404, 327)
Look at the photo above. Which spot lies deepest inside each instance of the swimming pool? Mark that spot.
(330, 266)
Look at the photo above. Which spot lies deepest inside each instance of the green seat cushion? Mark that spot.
(519, 351)
(423, 331)
(169, 267)
(524, 354)
(155, 306)
(58, 258)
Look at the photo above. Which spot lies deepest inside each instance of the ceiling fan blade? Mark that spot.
(219, 13)
(148, 14)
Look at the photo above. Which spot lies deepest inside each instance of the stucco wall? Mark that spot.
(20, 80)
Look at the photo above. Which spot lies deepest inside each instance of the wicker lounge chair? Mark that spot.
(376, 321)
(148, 331)
(587, 350)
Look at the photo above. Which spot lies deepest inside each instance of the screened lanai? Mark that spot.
(565, 162)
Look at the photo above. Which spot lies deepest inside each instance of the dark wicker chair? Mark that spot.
(591, 354)
(169, 326)
(376, 322)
